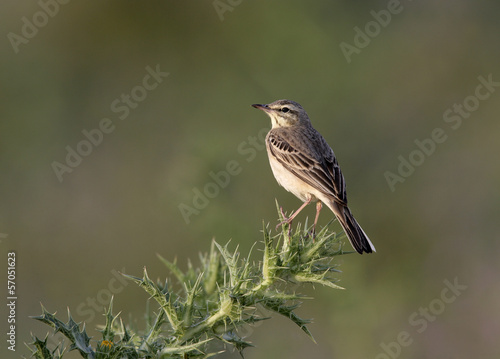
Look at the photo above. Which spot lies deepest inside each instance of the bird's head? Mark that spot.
(285, 113)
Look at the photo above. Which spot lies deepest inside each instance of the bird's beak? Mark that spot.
(264, 108)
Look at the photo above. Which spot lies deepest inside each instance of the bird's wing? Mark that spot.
(313, 162)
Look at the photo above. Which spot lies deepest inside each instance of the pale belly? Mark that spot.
(291, 183)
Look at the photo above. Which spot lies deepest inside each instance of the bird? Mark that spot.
(305, 165)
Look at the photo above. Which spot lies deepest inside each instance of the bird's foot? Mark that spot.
(285, 219)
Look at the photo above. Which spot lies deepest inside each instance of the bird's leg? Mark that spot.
(290, 219)
(319, 205)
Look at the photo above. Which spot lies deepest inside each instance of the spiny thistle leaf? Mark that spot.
(231, 260)
(42, 351)
(184, 349)
(172, 266)
(211, 271)
(162, 298)
(108, 333)
(269, 262)
(189, 307)
(285, 297)
(280, 307)
(212, 301)
(238, 343)
(313, 250)
(79, 339)
(316, 278)
(126, 336)
(154, 331)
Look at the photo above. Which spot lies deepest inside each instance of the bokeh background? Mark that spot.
(120, 205)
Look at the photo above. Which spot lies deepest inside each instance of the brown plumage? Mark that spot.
(304, 164)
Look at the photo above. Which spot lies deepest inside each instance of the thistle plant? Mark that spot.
(213, 303)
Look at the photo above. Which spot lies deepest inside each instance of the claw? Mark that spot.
(289, 219)
(286, 221)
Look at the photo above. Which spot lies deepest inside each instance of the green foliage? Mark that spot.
(71, 330)
(210, 303)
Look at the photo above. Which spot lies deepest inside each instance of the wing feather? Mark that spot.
(313, 162)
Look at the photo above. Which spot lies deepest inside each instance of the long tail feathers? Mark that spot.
(358, 238)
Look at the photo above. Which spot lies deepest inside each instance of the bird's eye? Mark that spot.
(285, 109)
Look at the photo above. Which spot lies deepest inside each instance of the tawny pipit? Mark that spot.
(304, 164)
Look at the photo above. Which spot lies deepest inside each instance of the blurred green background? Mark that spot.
(120, 206)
